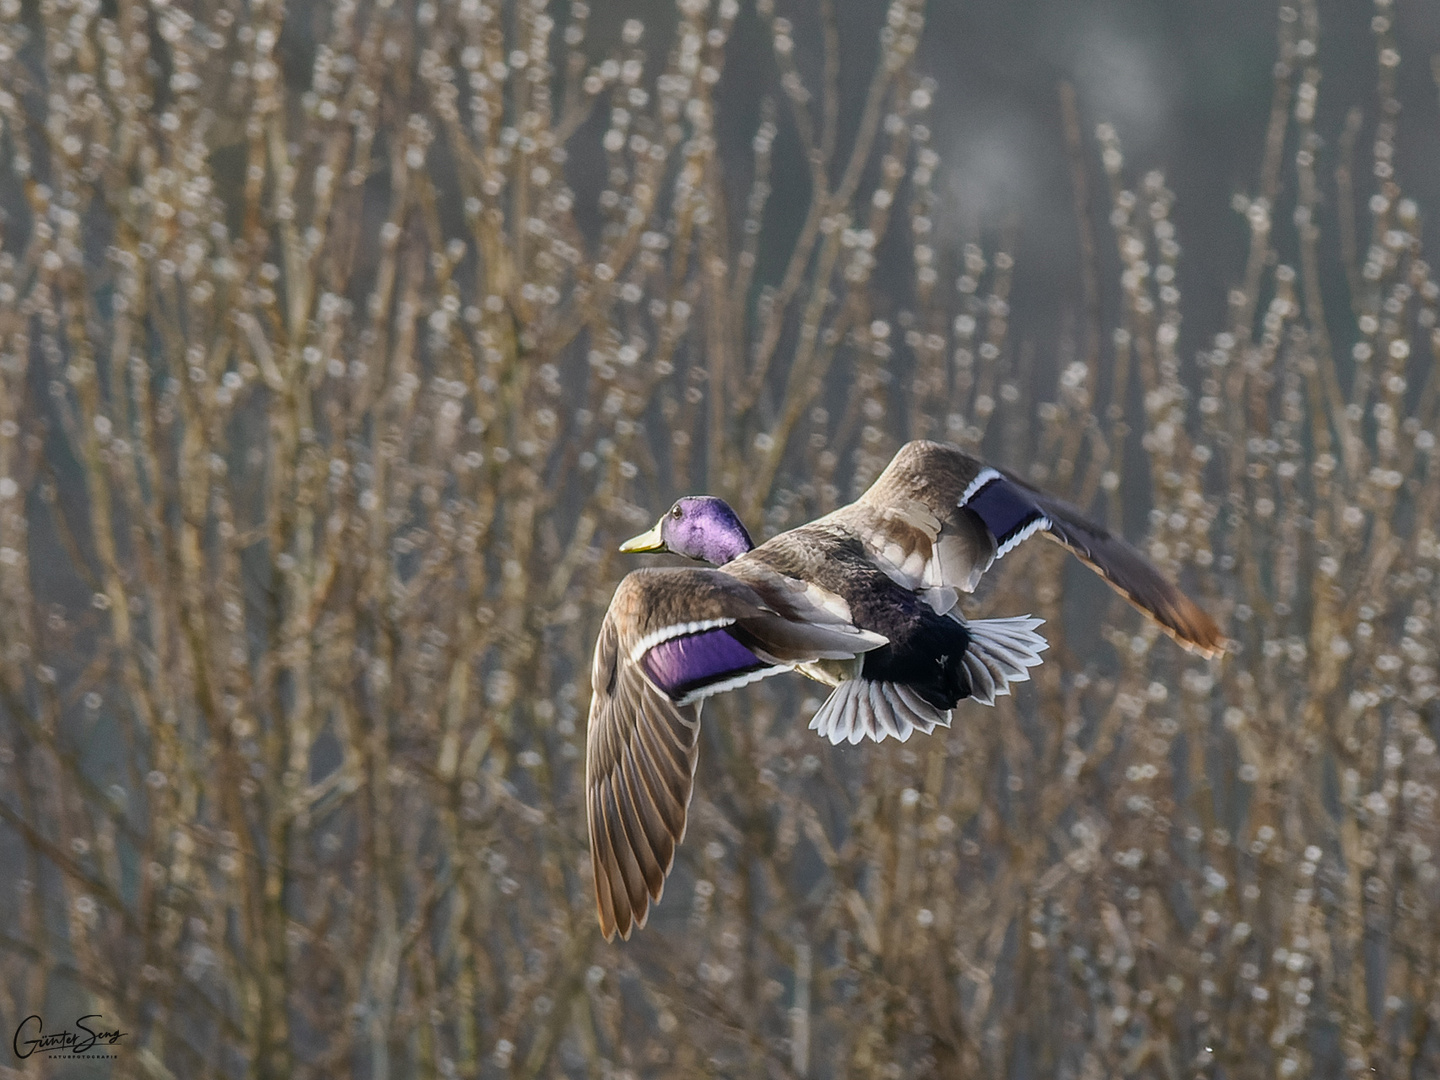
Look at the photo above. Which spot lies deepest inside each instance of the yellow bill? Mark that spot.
(646, 541)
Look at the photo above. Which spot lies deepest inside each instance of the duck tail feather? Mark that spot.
(860, 709)
(1000, 653)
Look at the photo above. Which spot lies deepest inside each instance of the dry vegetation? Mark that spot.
(338, 348)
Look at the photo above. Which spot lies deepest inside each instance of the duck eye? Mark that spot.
(676, 512)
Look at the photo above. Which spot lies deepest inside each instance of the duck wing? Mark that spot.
(912, 520)
(937, 518)
(671, 638)
(1128, 572)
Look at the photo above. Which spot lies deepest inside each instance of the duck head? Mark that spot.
(698, 527)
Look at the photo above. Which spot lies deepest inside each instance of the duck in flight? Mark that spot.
(864, 600)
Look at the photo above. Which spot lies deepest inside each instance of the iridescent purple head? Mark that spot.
(698, 527)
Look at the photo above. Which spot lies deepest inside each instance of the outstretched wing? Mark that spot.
(1129, 572)
(639, 772)
(940, 517)
(671, 638)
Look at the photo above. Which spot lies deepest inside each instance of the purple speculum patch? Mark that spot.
(1004, 510)
(682, 665)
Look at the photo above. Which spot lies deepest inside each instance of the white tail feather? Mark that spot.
(1000, 652)
(858, 709)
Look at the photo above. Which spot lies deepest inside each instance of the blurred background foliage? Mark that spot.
(341, 342)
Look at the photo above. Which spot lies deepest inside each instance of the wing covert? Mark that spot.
(913, 520)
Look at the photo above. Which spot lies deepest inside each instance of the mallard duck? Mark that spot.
(863, 600)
